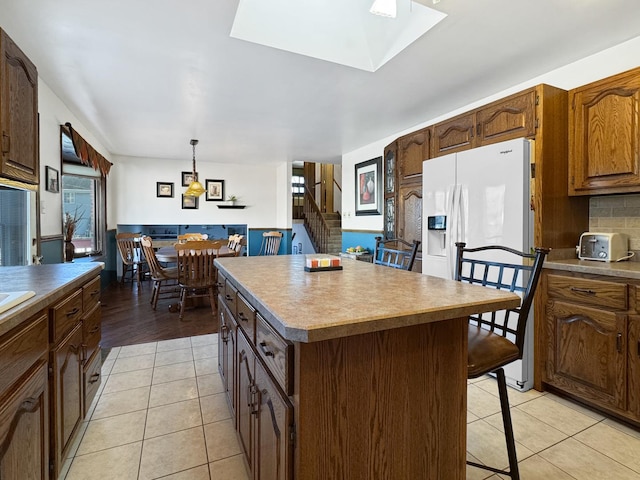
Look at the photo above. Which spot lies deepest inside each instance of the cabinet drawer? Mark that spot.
(276, 353)
(588, 292)
(91, 331)
(91, 377)
(18, 352)
(230, 299)
(91, 294)
(220, 281)
(65, 315)
(246, 317)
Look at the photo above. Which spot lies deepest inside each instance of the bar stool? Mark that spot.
(497, 338)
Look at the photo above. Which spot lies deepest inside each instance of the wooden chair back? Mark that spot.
(155, 267)
(396, 253)
(270, 243)
(519, 274)
(186, 237)
(236, 243)
(129, 247)
(195, 262)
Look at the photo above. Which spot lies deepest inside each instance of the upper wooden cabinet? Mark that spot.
(413, 149)
(18, 114)
(604, 132)
(511, 117)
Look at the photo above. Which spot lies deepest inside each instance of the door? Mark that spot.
(494, 185)
(438, 183)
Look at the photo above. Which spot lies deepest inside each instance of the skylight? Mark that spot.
(337, 31)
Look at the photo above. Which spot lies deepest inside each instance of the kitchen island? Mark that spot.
(357, 373)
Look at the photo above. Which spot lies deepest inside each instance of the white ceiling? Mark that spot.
(146, 76)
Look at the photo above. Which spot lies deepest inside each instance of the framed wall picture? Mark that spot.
(369, 187)
(52, 180)
(189, 202)
(187, 178)
(214, 190)
(164, 189)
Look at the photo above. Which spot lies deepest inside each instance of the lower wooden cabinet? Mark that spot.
(67, 405)
(592, 338)
(24, 428)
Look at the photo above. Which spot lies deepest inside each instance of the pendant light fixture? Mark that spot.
(195, 187)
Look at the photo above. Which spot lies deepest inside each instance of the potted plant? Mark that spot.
(231, 199)
(69, 226)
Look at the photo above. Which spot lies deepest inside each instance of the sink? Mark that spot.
(11, 299)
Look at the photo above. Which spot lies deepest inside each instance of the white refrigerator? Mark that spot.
(480, 197)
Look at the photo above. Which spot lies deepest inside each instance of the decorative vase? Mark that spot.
(69, 250)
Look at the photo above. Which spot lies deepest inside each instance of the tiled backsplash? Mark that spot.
(617, 213)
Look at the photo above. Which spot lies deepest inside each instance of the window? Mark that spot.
(16, 226)
(83, 195)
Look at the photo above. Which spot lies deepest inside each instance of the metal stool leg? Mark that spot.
(514, 473)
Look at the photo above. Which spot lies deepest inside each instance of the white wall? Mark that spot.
(54, 113)
(600, 65)
(260, 187)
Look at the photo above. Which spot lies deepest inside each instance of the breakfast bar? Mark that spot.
(357, 373)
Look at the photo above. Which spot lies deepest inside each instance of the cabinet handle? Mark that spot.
(242, 317)
(6, 142)
(265, 350)
(95, 292)
(229, 298)
(619, 343)
(94, 329)
(224, 331)
(71, 313)
(582, 290)
(94, 378)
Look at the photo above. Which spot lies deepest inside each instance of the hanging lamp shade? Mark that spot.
(195, 188)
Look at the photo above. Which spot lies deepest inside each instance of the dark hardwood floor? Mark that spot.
(128, 319)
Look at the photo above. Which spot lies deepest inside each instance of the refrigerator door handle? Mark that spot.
(456, 226)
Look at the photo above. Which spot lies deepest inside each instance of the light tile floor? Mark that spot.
(161, 413)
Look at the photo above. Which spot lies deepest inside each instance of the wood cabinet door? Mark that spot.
(604, 132)
(18, 114)
(634, 365)
(227, 353)
(24, 428)
(453, 135)
(246, 396)
(413, 149)
(273, 437)
(390, 183)
(512, 117)
(67, 396)
(409, 219)
(588, 353)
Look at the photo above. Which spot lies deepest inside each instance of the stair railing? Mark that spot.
(315, 223)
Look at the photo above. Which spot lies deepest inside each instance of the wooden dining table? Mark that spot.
(169, 254)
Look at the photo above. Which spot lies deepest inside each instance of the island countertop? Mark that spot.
(50, 283)
(362, 298)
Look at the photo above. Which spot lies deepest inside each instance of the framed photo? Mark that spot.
(164, 189)
(187, 178)
(189, 202)
(52, 180)
(214, 190)
(369, 187)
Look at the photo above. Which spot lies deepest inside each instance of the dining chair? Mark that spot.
(133, 262)
(236, 243)
(185, 237)
(165, 279)
(396, 253)
(270, 243)
(196, 271)
(497, 338)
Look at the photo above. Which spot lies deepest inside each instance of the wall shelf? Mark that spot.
(231, 206)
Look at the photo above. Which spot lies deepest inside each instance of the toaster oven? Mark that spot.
(604, 247)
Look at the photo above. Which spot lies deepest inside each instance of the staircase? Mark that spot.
(334, 241)
(324, 229)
